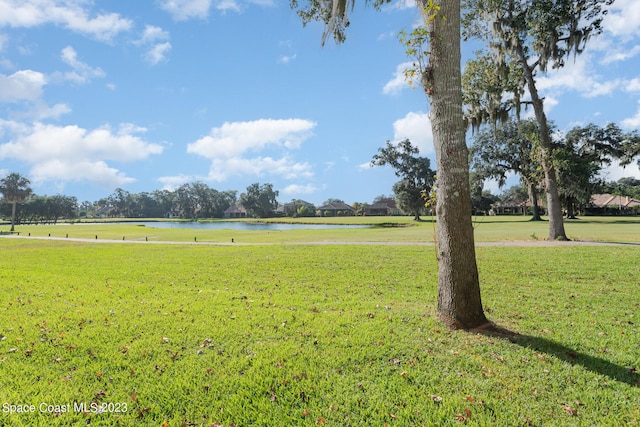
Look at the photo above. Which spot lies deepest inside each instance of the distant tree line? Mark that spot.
(192, 201)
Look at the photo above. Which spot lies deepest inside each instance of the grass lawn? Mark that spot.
(384, 229)
(335, 335)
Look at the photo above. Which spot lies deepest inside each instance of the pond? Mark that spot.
(231, 225)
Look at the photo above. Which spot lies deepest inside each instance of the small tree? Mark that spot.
(15, 189)
(415, 173)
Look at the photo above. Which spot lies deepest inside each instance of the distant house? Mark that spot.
(336, 209)
(382, 208)
(511, 207)
(235, 211)
(608, 204)
(291, 208)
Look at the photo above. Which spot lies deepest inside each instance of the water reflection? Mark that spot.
(231, 225)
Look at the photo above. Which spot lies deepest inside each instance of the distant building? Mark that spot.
(510, 207)
(336, 209)
(235, 211)
(516, 207)
(383, 208)
(291, 208)
(608, 204)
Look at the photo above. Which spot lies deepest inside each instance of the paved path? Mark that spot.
(525, 243)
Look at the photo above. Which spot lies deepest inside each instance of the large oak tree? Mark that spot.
(537, 34)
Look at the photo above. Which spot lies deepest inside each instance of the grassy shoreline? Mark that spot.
(385, 229)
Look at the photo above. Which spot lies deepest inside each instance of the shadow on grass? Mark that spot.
(588, 220)
(597, 365)
(623, 243)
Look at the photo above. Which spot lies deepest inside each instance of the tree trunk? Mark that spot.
(533, 196)
(13, 215)
(571, 212)
(554, 207)
(459, 302)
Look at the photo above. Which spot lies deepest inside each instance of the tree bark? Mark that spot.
(459, 302)
(13, 216)
(534, 202)
(554, 207)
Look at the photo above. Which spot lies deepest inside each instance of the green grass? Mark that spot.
(336, 335)
(384, 229)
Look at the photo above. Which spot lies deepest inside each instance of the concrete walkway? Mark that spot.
(523, 243)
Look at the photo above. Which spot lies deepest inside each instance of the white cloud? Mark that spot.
(619, 53)
(170, 183)
(228, 5)
(574, 75)
(417, 128)
(633, 85)
(152, 34)
(614, 172)
(623, 18)
(24, 85)
(401, 5)
(399, 81)
(182, 10)
(234, 138)
(259, 166)
(157, 53)
(285, 59)
(41, 111)
(153, 38)
(580, 76)
(71, 153)
(632, 122)
(263, 2)
(387, 35)
(70, 14)
(300, 189)
(227, 147)
(82, 73)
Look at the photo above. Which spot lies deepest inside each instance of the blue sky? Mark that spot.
(150, 94)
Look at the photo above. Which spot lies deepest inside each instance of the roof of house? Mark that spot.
(297, 203)
(604, 200)
(380, 206)
(335, 207)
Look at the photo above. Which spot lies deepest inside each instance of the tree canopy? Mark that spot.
(260, 200)
(509, 147)
(15, 189)
(535, 35)
(416, 176)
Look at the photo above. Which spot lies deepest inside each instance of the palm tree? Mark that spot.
(15, 189)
